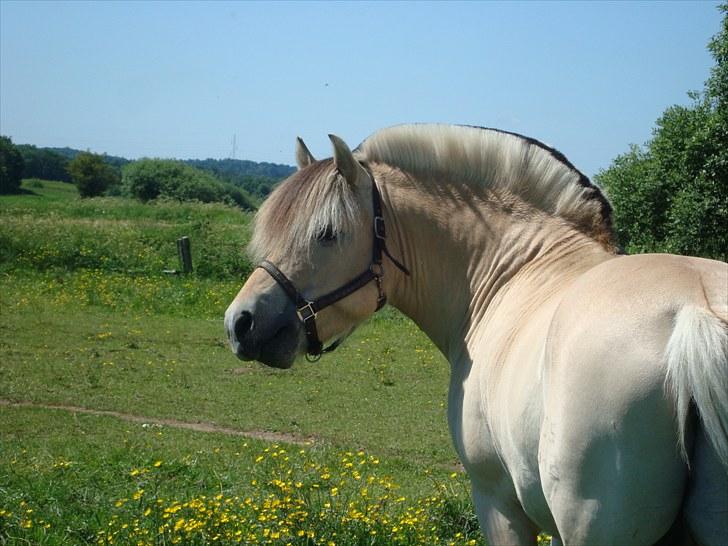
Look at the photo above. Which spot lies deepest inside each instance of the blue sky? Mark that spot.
(174, 79)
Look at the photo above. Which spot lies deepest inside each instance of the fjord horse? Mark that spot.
(588, 391)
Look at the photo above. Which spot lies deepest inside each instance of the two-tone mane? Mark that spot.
(499, 160)
(316, 198)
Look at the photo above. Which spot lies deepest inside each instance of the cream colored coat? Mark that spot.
(573, 369)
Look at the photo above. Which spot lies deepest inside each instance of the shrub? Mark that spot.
(149, 179)
(91, 174)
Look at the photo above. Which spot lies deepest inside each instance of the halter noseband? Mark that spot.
(307, 310)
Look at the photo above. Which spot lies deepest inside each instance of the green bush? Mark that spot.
(149, 179)
(91, 174)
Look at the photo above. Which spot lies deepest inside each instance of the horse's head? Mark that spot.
(313, 237)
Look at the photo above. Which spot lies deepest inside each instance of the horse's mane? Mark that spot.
(490, 158)
(317, 198)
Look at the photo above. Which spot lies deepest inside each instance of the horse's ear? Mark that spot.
(303, 157)
(344, 160)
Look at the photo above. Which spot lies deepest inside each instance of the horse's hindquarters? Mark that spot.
(609, 457)
(612, 478)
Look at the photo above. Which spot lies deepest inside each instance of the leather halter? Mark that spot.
(308, 309)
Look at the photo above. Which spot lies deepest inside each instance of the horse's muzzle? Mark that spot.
(274, 342)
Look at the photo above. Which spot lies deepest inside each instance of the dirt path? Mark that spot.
(199, 426)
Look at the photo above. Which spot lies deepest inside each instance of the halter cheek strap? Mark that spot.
(307, 310)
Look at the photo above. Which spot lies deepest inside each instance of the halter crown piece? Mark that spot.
(307, 310)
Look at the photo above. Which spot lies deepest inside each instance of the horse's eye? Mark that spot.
(326, 235)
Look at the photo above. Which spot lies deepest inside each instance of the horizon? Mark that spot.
(183, 159)
(182, 80)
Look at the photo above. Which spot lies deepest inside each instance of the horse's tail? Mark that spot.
(697, 369)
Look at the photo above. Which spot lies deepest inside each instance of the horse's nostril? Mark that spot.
(243, 324)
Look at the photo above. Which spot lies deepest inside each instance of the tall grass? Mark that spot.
(120, 235)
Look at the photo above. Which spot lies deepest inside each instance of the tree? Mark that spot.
(11, 166)
(91, 174)
(672, 194)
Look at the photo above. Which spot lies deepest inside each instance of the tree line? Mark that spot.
(256, 179)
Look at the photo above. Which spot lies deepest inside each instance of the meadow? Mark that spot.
(125, 419)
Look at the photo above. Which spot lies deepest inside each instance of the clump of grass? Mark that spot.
(34, 183)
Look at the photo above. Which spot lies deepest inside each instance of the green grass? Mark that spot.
(88, 319)
(52, 228)
(109, 482)
(75, 337)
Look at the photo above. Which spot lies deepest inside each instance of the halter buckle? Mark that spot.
(379, 232)
(306, 312)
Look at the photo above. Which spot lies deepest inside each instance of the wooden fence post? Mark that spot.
(185, 254)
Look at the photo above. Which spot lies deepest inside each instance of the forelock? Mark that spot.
(308, 202)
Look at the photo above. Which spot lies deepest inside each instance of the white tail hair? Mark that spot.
(697, 369)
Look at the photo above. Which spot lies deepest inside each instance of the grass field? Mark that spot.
(125, 419)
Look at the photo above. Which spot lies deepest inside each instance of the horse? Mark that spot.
(588, 392)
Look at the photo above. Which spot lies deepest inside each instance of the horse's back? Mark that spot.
(609, 459)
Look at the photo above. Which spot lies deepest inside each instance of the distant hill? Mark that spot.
(70, 153)
(256, 178)
(243, 167)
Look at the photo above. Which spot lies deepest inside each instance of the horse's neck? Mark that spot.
(462, 252)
